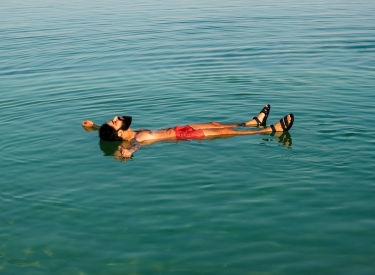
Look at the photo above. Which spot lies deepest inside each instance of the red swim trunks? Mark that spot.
(186, 132)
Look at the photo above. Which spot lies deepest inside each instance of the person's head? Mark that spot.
(113, 129)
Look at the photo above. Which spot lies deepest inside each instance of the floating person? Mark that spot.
(118, 129)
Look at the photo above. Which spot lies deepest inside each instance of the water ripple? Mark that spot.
(302, 201)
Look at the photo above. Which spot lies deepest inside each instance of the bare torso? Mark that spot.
(162, 134)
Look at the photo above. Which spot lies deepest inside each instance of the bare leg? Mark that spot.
(213, 125)
(283, 125)
(260, 119)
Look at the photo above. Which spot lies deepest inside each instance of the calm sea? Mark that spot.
(301, 203)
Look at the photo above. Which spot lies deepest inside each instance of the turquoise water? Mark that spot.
(297, 204)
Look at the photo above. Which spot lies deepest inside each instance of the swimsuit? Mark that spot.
(187, 132)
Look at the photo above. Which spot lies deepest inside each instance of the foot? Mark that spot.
(261, 118)
(283, 125)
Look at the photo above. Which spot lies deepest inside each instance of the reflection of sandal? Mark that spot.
(285, 124)
(281, 137)
(265, 111)
(285, 139)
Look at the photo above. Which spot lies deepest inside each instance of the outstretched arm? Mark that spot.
(127, 153)
(90, 124)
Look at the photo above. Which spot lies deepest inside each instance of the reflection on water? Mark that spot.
(284, 138)
(114, 148)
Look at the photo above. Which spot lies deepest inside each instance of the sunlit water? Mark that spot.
(297, 204)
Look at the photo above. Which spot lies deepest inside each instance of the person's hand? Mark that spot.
(87, 123)
(125, 153)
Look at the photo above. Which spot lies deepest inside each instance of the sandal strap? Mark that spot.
(265, 110)
(273, 128)
(257, 120)
(291, 121)
(283, 125)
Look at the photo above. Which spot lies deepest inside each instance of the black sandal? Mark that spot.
(265, 111)
(284, 123)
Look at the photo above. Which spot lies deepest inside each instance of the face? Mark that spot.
(116, 123)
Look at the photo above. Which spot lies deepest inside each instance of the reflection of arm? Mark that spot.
(127, 153)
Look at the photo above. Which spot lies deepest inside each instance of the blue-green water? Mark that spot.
(244, 205)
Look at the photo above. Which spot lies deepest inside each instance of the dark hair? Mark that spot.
(126, 121)
(108, 133)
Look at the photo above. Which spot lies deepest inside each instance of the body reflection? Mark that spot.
(110, 148)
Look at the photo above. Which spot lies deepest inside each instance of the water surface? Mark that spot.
(297, 204)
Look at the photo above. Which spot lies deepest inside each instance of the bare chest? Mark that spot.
(156, 135)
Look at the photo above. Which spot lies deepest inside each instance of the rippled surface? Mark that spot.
(298, 204)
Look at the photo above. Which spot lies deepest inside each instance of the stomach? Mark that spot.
(154, 136)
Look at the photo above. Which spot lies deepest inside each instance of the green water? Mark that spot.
(298, 204)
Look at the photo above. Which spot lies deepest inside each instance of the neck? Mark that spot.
(128, 134)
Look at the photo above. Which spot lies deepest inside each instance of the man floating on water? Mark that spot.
(118, 129)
